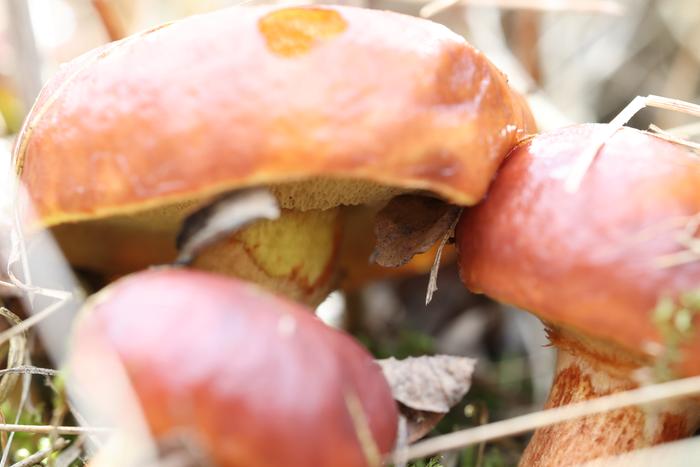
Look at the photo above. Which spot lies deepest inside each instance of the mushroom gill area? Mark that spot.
(322, 239)
(589, 368)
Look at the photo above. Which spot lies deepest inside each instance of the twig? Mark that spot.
(39, 456)
(645, 395)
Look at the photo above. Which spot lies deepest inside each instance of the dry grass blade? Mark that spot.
(110, 19)
(18, 288)
(686, 131)
(31, 321)
(675, 105)
(678, 259)
(434, 7)
(69, 455)
(39, 456)
(401, 443)
(605, 7)
(586, 159)
(674, 454)
(49, 429)
(18, 255)
(668, 136)
(12, 290)
(29, 370)
(362, 429)
(688, 239)
(645, 395)
(26, 384)
(432, 281)
(15, 355)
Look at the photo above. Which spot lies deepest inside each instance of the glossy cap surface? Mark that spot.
(597, 261)
(262, 95)
(255, 379)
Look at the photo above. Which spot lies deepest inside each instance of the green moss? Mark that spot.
(407, 343)
(674, 320)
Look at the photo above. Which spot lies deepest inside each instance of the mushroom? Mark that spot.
(604, 268)
(253, 379)
(327, 107)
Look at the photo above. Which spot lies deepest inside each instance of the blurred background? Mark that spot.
(575, 60)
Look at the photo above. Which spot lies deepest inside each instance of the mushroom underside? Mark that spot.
(310, 249)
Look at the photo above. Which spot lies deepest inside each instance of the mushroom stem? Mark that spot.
(295, 255)
(583, 375)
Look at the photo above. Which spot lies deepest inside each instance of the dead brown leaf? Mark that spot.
(426, 388)
(418, 423)
(409, 225)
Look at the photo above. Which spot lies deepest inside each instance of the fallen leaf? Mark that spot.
(419, 423)
(409, 225)
(426, 388)
(221, 217)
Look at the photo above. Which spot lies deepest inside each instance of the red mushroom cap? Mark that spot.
(590, 261)
(257, 379)
(266, 95)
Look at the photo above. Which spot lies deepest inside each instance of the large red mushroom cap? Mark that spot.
(256, 379)
(326, 106)
(266, 95)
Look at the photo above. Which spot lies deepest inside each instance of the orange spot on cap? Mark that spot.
(294, 31)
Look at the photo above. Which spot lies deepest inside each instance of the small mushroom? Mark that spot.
(327, 107)
(594, 266)
(249, 378)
